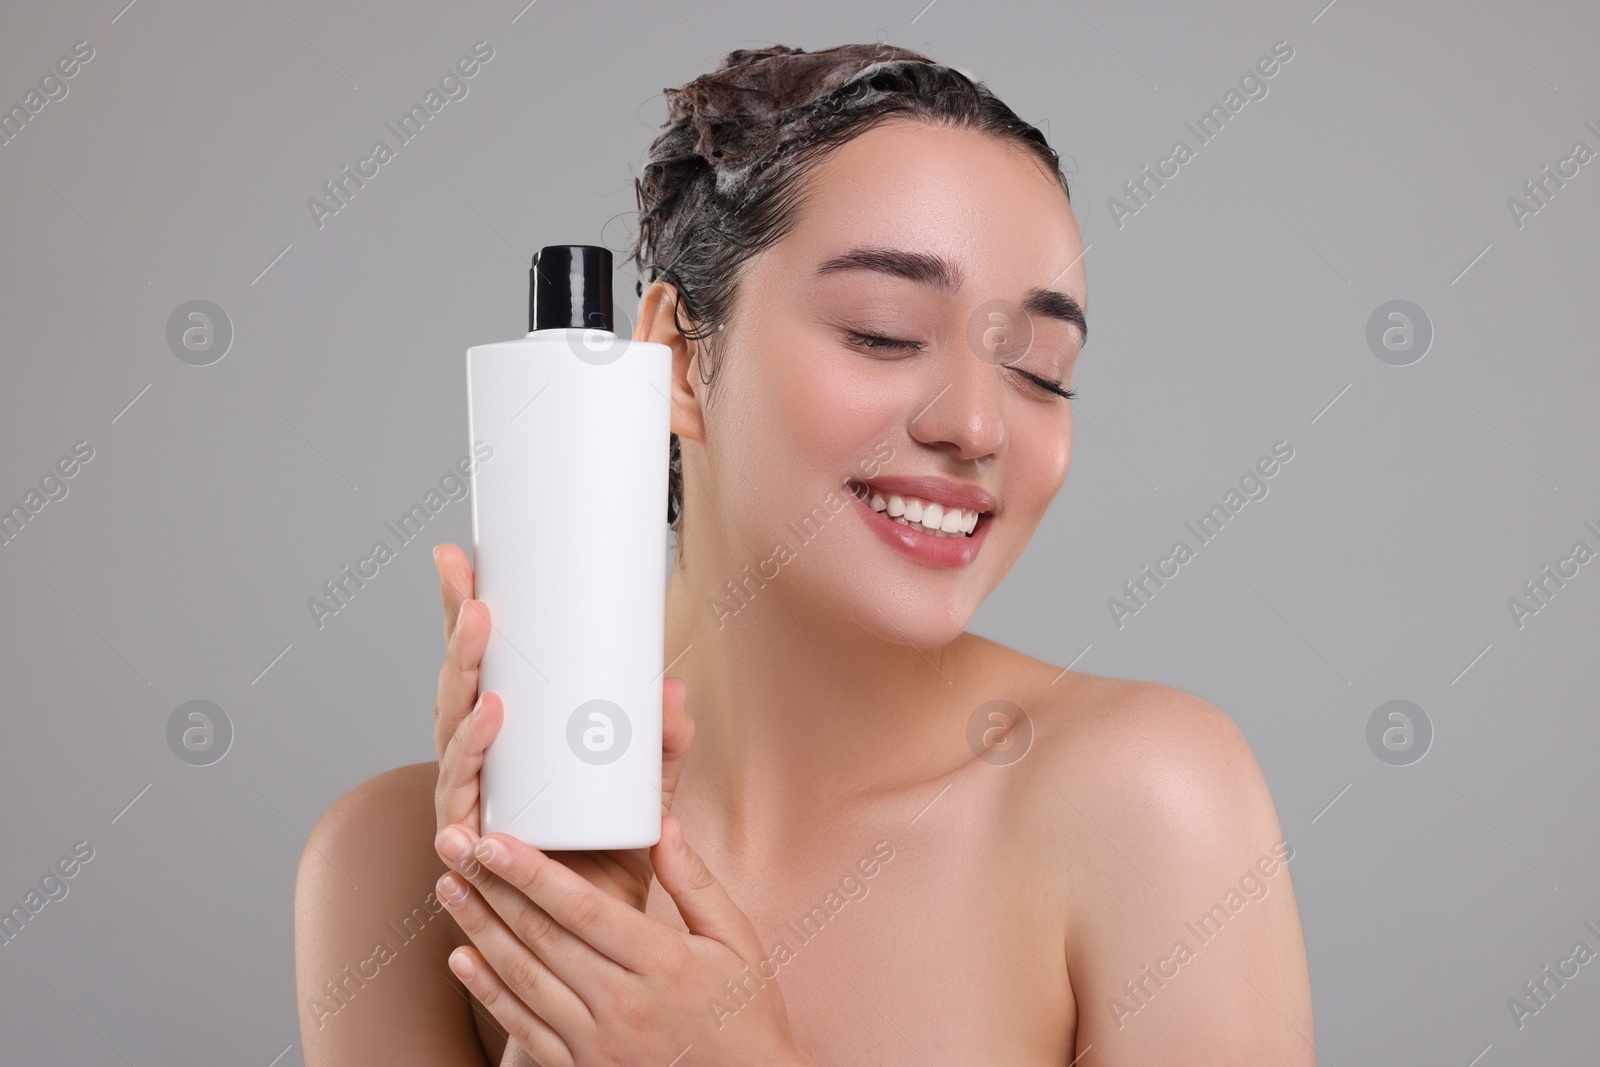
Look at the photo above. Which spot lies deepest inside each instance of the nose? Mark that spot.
(963, 412)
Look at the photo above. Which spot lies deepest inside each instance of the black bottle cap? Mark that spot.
(569, 287)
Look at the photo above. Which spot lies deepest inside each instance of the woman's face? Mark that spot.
(812, 400)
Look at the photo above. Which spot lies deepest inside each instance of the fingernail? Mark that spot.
(435, 555)
(679, 845)
(462, 964)
(454, 846)
(487, 852)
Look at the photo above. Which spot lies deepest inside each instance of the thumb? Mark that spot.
(677, 731)
(705, 905)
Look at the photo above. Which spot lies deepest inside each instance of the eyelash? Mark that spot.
(860, 340)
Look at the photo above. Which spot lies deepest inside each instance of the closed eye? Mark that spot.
(872, 342)
(876, 343)
(1054, 387)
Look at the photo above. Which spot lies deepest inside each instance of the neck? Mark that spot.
(797, 707)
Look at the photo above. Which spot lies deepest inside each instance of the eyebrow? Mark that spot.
(927, 268)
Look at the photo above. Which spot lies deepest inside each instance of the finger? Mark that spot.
(456, 581)
(677, 731)
(705, 905)
(571, 919)
(514, 964)
(584, 969)
(457, 796)
(524, 1026)
(458, 675)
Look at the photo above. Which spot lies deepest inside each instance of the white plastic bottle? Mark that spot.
(568, 541)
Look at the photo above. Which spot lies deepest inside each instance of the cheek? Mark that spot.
(1062, 454)
(827, 408)
(787, 424)
(1039, 458)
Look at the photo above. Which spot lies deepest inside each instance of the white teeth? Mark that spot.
(928, 516)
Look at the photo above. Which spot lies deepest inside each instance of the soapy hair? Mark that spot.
(726, 177)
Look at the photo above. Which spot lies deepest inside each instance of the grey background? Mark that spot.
(1228, 314)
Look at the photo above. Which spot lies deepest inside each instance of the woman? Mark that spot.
(905, 843)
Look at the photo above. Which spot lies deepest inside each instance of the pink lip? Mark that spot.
(923, 547)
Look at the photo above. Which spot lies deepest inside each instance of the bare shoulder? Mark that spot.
(1152, 815)
(1172, 753)
(1161, 773)
(1140, 750)
(371, 939)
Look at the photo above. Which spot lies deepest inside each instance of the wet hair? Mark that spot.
(726, 177)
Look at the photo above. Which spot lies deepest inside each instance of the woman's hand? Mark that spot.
(579, 979)
(461, 738)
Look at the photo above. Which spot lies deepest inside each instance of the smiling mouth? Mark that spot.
(925, 516)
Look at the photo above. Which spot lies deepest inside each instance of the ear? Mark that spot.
(658, 323)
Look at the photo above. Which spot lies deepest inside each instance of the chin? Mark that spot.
(914, 634)
(927, 610)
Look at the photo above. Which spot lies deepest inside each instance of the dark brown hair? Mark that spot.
(725, 178)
